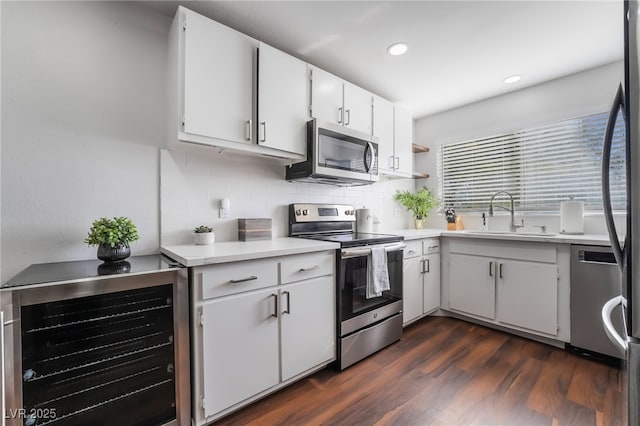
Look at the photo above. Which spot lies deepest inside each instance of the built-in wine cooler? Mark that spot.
(112, 358)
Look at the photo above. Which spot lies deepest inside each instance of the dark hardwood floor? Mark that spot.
(449, 372)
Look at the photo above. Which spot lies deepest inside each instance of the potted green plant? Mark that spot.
(112, 236)
(419, 203)
(203, 235)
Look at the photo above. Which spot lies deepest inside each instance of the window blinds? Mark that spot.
(540, 167)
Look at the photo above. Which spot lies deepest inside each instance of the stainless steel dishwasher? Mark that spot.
(595, 278)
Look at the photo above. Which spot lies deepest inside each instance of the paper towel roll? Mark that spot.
(572, 217)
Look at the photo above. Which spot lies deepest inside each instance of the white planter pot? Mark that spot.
(204, 238)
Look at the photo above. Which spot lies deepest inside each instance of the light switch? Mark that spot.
(225, 208)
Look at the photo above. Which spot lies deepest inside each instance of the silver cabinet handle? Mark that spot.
(308, 269)
(411, 251)
(428, 266)
(396, 162)
(275, 301)
(242, 280)
(347, 117)
(490, 269)
(340, 115)
(263, 127)
(288, 310)
(248, 130)
(609, 329)
(391, 158)
(500, 273)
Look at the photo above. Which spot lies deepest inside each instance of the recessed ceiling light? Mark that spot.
(397, 49)
(512, 79)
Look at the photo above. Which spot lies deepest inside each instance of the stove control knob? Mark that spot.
(298, 212)
(347, 212)
(305, 212)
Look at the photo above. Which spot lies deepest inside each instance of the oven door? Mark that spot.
(352, 282)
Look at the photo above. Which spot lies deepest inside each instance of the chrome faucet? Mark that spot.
(512, 225)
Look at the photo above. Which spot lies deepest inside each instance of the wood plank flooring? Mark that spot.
(449, 372)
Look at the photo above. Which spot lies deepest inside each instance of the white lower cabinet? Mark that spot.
(421, 279)
(528, 295)
(257, 326)
(430, 283)
(307, 326)
(240, 348)
(472, 285)
(515, 285)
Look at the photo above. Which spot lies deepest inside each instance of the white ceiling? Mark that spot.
(459, 51)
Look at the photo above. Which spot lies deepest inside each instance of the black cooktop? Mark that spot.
(83, 269)
(355, 239)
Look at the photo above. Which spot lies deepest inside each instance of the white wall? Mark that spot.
(578, 94)
(83, 94)
(83, 114)
(194, 179)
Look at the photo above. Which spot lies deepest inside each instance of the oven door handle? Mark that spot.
(365, 251)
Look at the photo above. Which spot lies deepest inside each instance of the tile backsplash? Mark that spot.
(193, 180)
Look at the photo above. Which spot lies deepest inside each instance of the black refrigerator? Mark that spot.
(626, 248)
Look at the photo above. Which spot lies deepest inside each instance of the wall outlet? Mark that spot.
(225, 212)
(397, 211)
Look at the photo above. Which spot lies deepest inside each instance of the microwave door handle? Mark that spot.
(368, 164)
(606, 192)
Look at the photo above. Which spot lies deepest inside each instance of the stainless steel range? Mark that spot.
(366, 322)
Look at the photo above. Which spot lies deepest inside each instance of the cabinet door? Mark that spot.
(326, 97)
(282, 101)
(358, 108)
(218, 80)
(403, 138)
(431, 283)
(411, 289)
(472, 285)
(528, 295)
(240, 348)
(383, 129)
(307, 325)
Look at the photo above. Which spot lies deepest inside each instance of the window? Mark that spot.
(540, 167)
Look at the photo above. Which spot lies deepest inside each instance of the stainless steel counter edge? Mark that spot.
(588, 239)
(231, 251)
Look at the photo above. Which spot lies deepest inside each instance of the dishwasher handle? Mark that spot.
(609, 329)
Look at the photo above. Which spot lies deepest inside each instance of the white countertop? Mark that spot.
(231, 251)
(587, 239)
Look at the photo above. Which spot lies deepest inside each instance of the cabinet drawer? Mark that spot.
(235, 277)
(302, 267)
(413, 249)
(431, 245)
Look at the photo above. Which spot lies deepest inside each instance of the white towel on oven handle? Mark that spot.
(377, 273)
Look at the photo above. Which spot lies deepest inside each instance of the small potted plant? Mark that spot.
(203, 235)
(419, 203)
(112, 236)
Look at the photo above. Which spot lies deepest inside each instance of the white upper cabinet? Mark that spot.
(394, 128)
(403, 139)
(326, 96)
(218, 80)
(383, 130)
(283, 100)
(213, 90)
(337, 101)
(358, 112)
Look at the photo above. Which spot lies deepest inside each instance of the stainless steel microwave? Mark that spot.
(337, 155)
